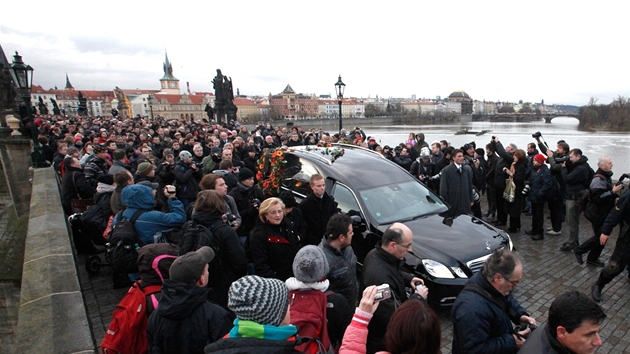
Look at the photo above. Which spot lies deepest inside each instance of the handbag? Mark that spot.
(79, 206)
(510, 190)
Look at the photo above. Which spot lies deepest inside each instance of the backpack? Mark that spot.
(596, 212)
(123, 246)
(585, 195)
(308, 313)
(195, 236)
(127, 333)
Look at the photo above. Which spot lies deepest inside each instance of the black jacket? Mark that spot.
(505, 160)
(273, 248)
(185, 321)
(481, 326)
(232, 255)
(379, 268)
(251, 345)
(317, 212)
(72, 177)
(243, 197)
(577, 177)
(541, 184)
(187, 181)
(342, 270)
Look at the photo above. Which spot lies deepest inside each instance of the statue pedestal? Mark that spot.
(15, 153)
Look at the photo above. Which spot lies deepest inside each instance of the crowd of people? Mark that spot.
(272, 248)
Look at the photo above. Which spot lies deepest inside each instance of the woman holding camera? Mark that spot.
(273, 242)
(209, 210)
(516, 172)
(217, 183)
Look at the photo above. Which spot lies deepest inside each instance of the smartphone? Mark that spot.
(383, 292)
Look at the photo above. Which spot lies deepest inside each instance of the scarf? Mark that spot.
(105, 188)
(249, 329)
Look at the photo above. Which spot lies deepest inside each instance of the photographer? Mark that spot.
(555, 160)
(247, 198)
(577, 175)
(187, 177)
(402, 157)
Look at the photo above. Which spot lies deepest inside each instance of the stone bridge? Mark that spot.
(519, 117)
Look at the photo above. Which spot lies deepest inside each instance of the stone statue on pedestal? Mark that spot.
(224, 96)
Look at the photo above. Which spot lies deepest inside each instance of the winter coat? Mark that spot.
(231, 254)
(243, 197)
(601, 198)
(379, 268)
(137, 197)
(73, 185)
(403, 161)
(505, 160)
(185, 321)
(577, 177)
(342, 270)
(273, 248)
(252, 345)
(317, 212)
(481, 326)
(541, 341)
(118, 166)
(456, 189)
(95, 168)
(187, 181)
(541, 184)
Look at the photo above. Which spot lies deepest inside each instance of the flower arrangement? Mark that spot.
(326, 150)
(270, 171)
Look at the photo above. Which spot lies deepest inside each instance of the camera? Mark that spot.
(230, 218)
(536, 135)
(436, 177)
(562, 159)
(419, 287)
(526, 189)
(524, 327)
(382, 292)
(623, 176)
(255, 202)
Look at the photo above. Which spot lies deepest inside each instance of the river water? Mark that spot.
(593, 144)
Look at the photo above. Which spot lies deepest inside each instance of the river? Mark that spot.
(593, 144)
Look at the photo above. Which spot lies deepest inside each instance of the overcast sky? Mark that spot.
(561, 51)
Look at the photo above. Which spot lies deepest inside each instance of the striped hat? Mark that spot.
(261, 300)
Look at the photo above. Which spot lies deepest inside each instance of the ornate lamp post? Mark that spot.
(340, 88)
(149, 98)
(23, 78)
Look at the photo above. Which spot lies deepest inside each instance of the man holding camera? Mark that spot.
(247, 198)
(555, 203)
(383, 265)
(577, 175)
(187, 176)
(601, 199)
(485, 311)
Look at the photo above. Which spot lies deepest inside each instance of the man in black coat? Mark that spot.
(456, 185)
(384, 265)
(317, 208)
(187, 176)
(185, 321)
(73, 184)
(577, 176)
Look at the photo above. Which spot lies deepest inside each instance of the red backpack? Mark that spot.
(308, 314)
(127, 333)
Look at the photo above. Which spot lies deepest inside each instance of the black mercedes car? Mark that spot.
(446, 250)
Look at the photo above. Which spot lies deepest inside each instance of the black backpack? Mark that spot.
(195, 236)
(123, 246)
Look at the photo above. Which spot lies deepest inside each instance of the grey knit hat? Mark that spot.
(310, 264)
(183, 155)
(261, 300)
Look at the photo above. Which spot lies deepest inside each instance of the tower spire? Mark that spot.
(68, 84)
(168, 68)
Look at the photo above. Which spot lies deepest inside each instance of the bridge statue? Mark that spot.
(224, 107)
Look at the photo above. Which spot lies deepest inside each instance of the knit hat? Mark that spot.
(71, 151)
(310, 264)
(215, 150)
(425, 153)
(245, 173)
(145, 168)
(184, 155)
(540, 158)
(261, 300)
(189, 267)
(288, 199)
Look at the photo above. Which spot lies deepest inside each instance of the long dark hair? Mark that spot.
(413, 328)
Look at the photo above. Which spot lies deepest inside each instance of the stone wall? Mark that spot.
(52, 316)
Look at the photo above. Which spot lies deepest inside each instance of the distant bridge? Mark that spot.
(519, 117)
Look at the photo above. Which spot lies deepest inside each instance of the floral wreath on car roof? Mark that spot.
(271, 166)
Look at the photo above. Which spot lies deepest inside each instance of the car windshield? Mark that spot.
(401, 201)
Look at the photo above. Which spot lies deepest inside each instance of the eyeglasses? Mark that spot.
(404, 246)
(514, 283)
(276, 212)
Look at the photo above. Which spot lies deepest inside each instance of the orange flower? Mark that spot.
(328, 145)
(261, 166)
(275, 185)
(279, 154)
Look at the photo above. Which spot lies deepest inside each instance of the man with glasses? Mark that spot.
(485, 312)
(384, 265)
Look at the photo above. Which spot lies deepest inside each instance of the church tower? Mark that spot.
(68, 84)
(169, 83)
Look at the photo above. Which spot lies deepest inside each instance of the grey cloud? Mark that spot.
(110, 45)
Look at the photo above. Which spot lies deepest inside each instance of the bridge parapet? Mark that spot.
(52, 316)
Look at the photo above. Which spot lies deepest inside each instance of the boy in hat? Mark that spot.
(185, 320)
(263, 318)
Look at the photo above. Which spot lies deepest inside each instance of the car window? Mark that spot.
(297, 175)
(345, 200)
(400, 201)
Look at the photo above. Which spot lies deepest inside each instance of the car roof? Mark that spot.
(361, 167)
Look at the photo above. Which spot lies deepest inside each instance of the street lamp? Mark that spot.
(149, 98)
(23, 78)
(340, 88)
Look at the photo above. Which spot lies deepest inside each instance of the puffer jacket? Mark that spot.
(185, 321)
(137, 197)
(541, 184)
(95, 168)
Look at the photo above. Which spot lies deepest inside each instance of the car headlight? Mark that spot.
(437, 269)
(459, 272)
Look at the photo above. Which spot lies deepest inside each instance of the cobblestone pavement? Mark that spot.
(547, 273)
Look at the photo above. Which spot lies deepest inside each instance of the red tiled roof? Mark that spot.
(243, 101)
